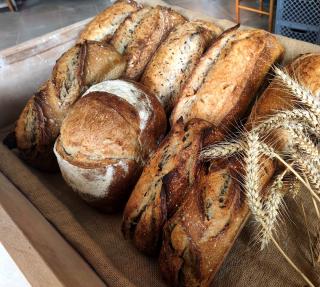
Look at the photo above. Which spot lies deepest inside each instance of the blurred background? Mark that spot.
(24, 20)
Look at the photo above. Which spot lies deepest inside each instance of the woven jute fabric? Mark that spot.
(97, 237)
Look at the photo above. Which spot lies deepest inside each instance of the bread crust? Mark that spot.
(124, 34)
(146, 38)
(161, 188)
(39, 123)
(174, 60)
(103, 26)
(246, 57)
(194, 245)
(105, 140)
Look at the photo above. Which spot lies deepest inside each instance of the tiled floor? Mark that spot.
(37, 17)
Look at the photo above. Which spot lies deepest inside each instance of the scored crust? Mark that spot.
(105, 140)
(176, 57)
(246, 57)
(103, 26)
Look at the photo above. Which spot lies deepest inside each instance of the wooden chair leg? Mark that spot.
(10, 6)
(271, 15)
(261, 6)
(237, 11)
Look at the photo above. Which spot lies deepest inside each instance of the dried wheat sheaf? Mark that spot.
(299, 129)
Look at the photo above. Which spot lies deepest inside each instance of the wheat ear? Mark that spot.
(252, 181)
(221, 150)
(309, 168)
(300, 92)
(272, 207)
(252, 188)
(303, 142)
(268, 151)
(284, 117)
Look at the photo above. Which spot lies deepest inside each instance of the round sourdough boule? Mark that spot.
(105, 140)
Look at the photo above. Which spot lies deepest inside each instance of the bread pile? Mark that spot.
(104, 114)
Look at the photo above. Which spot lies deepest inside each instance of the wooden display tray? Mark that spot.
(37, 247)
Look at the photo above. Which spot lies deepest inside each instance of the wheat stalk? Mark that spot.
(252, 188)
(300, 92)
(272, 206)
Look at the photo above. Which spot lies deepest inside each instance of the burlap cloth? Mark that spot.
(98, 239)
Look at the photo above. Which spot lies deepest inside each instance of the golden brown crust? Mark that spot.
(246, 57)
(105, 140)
(161, 188)
(146, 38)
(103, 26)
(124, 34)
(39, 123)
(176, 57)
(199, 236)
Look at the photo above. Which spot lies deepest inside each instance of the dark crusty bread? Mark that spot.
(103, 26)
(200, 234)
(197, 241)
(173, 62)
(228, 76)
(39, 123)
(163, 184)
(152, 29)
(105, 140)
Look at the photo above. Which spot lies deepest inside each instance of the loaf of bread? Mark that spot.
(163, 184)
(103, 26)
(200, 234)
(39, 123)
(145, 227)
(173, 62)
(105, 140)
(141, 34)
(228, 77)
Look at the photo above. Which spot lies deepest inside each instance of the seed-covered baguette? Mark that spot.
(227, 77)
(146, 38)
(39, 123)
(163, 184)
(199, 236)
(173, 62)
(103, 26)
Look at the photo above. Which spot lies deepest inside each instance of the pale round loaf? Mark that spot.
(105, 140)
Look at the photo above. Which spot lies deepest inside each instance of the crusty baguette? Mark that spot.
(201, 233)
(148, 35)
(39, 123)
(227, 77)
(105, 140)
(173, 62)
(162, 185)
(103, 26)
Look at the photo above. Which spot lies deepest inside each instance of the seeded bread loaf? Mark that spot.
(103, 26)
(39, 123)
(105, 140)
(173, 62)
(228, 77)
(163, 184)
(144, 37)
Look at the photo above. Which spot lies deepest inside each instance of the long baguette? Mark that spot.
(227, 77)
(173, 62)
